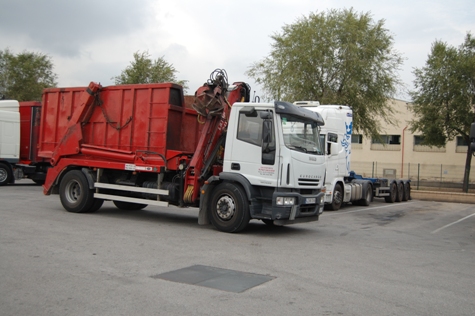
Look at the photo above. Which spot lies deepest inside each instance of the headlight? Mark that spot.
(287, 201)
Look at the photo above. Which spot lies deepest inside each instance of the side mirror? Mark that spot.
(268, 143)
(334, 149)
(266, 133)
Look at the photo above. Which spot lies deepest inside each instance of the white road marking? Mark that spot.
(366, 209)
(448, 225)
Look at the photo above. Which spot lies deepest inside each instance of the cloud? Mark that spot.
(95, 40)
(63, 27)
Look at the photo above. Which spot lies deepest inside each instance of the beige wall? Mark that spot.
(446, 163)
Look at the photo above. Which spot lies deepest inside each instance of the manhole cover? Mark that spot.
(216, 278)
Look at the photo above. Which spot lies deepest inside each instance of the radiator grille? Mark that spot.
(308, 182)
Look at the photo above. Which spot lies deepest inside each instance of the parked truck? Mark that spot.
(342, 184)
(137, 145)
(19, 132)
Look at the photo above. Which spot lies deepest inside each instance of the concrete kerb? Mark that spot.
(454, 197)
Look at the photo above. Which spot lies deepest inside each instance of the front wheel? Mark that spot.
(337, 199)
(229, 208)
(5, 174)
(74, 192)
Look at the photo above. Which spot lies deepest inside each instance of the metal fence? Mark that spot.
(422, 176)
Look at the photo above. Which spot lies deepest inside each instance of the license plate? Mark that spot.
(310, 200)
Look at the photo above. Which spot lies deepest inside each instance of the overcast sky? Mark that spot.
(94, 40)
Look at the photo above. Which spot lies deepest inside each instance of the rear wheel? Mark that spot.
(391, 198)
(128, 206)
(337, 199)
(366, 201)
(96, 205)
(5, 174)
(400, 192)
(74, 192)
(407, 191)
(229, 208)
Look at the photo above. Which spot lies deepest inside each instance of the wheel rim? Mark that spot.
(73, 191)
(337, 197)
(225, 208)
(3, 175)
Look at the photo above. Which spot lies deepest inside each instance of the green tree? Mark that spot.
(145, 70)
(335, 57)
(24, 76)
(443, 100)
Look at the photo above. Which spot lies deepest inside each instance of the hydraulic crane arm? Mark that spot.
(213, 102)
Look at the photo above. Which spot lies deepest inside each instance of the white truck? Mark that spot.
(9, 139)
(19, 131)
(342, 184)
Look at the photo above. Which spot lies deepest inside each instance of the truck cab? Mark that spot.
(273, 153)
(9, 139)
(342, 184)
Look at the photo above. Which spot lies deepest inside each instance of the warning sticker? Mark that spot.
(143, 168)
(129, 166)
(266, 171)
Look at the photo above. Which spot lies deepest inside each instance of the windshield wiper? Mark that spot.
(299, 148)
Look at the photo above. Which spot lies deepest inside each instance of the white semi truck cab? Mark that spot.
(342, 184)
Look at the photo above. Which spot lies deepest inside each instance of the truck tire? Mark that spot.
(337, 199)
(96, 205)
(5, 174)
(229, 208)
(391, 198)
(366, 201)
(407, 191)
(74, 192)
(400, 192)
(127, 206)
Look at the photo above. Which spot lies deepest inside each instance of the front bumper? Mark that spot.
(300, 212)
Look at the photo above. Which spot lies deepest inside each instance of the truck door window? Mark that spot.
(250, 129)
(332, 138)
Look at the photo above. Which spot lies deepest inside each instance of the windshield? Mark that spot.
(301, 135)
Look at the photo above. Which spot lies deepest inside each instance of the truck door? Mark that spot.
(253, 153)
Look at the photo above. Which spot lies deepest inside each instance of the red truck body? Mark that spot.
(131, 118)
(30, 115)
(142, 127)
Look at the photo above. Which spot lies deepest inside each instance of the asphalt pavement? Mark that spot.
(410, 258)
